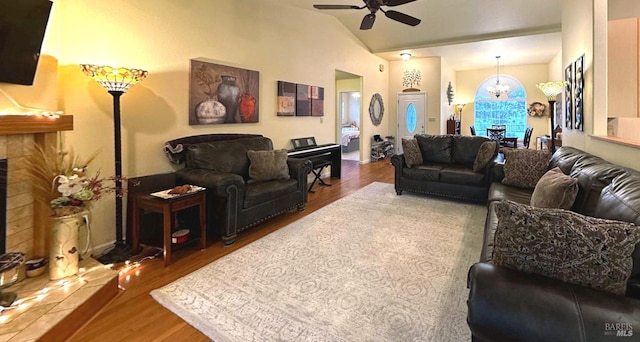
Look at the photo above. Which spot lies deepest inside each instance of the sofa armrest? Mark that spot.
(509, 305)
(496, 172)
(398, 161)
(216, 182)
(299, 168)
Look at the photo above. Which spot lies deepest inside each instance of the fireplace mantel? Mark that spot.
(30, 124)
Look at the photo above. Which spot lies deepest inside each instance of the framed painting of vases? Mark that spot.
(220, 94)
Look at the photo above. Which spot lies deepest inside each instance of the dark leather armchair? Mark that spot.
(219, 162)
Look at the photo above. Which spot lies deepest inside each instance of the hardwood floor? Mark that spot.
(134, 316)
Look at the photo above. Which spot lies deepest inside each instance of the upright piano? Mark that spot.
(308, 149)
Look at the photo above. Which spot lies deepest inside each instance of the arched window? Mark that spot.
(509, 109)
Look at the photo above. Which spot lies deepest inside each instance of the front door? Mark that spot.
(412, 115)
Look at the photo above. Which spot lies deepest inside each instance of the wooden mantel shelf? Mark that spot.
(29, 124)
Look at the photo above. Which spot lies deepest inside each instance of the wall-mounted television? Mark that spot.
(22, 27)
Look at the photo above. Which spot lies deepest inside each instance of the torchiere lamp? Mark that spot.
(117, 81)
(551, 90)
(460, 107)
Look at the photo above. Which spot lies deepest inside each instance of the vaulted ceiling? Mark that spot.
(468, 34)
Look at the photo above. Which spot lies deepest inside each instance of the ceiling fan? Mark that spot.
(373, 6)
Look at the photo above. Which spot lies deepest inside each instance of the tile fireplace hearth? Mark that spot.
(55, 310)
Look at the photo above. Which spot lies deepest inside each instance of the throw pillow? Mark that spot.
(487, 152)
(268, 165)
(555, 190)
(524, 167)
(412, 154)
(564, 245)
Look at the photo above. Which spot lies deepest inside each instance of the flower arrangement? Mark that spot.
(60, 180)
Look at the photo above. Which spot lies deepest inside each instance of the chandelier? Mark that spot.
(498, 89)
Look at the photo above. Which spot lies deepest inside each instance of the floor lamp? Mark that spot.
(551, 91)
(117, 81)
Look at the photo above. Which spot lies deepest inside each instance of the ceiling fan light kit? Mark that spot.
(374, 6)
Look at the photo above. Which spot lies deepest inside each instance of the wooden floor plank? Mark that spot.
(135, 316)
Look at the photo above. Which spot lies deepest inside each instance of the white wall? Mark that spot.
(584, 31)
(446, 110)
(431, 83)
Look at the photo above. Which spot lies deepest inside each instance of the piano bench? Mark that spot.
(316, 169)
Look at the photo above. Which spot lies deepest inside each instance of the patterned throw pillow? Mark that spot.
(412, 154)
(564, 245)
(523, 167)
(268, 165)
(555, 190)
(487, 152)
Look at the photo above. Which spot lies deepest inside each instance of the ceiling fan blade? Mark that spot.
(392, 3)
(333, 7)
(403, 18)
(367, 21)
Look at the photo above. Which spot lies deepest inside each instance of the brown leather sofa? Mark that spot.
(509, 305)
(233, 203)
(447, 169)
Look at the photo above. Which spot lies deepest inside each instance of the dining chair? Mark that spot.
(472, 129)
(527, 138)
(496, 134)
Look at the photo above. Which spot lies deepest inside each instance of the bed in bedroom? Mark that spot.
(350, 139)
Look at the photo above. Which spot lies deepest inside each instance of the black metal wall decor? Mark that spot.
(568, 98)
(578, 92)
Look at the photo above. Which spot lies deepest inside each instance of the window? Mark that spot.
(412, 118)
(509, 110)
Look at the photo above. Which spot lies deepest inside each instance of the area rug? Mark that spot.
(372, 266)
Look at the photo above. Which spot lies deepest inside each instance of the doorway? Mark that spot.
(412, 115)
(350, 124)
(349, 114)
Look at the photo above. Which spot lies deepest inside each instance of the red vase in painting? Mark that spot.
(247, 107)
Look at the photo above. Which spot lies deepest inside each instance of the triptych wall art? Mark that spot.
(574, 94)
(300, 99)
(220, 94)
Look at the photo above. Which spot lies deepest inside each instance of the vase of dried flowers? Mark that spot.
(60, 180)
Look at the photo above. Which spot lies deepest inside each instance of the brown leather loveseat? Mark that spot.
(447, 168)
(509, 305)
(220, 163)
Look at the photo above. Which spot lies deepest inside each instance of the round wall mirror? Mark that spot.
(376, 109)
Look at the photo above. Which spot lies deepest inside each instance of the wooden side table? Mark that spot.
(168, 208)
